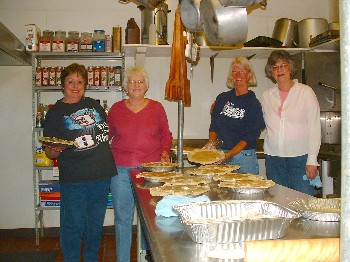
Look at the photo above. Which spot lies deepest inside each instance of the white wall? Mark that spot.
(16, 190)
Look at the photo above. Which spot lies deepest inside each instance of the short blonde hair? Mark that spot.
(246, 64)
(135, 70)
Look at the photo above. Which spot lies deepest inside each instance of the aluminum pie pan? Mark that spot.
(159, 167)
(320, 209)
(249, 190)
(203, 223)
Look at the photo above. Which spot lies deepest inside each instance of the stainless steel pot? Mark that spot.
(190, 15)
(286, 31)
(223, 25)
(309, 28)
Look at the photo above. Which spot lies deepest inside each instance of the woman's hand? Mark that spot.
(53, 151)
(311, 171)
(165, 157)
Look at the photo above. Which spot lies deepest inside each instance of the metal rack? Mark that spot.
(53, 58)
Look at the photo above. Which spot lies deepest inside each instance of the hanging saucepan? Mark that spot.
(223, 25)
(190, 15)
(286, 31)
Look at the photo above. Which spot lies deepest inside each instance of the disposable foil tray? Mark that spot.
(321, 209)
(234, 220)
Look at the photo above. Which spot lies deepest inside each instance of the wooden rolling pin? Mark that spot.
(306, 250)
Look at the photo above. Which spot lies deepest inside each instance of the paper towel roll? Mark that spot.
(152, 34)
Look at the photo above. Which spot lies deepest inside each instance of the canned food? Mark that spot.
(111, 76)
(58, 75)
(45, 76)
(52, 76)
(103, 76)
(38, 76)
(97, 79)
(90, 71)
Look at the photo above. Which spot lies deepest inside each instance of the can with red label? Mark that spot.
(90, 71)
(45, 76)
(58, 75)
(38, 76)
(103, 76)
(52, 76)
(97, 80)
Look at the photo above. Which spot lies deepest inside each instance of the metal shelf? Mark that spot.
(77, 56)
(37, 58)
(89, 89)
(207, 51)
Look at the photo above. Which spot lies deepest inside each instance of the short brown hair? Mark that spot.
(74, 68)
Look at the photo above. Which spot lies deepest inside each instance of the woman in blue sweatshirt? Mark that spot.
(237, 118)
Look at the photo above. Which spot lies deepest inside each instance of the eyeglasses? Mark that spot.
(135, 82)
(281, 67)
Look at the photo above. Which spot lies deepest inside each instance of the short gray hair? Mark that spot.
(135, 70)
(282, 55)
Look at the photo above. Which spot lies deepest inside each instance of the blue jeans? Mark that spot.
(289, 172)
(82, 213)
(123, 204)
(247, 160)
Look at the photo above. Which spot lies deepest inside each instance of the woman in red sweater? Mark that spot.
(139, 130)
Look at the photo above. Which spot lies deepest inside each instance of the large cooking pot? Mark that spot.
(309, 28)
(190, 15)
(223, 25)
(286, 31)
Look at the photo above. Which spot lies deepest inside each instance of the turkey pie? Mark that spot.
(220, 167)
(158, 176)
(237, 176)
(185, 180)
(179, 190)
(205, 156)
(247, 183)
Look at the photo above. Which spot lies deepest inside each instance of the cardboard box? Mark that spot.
(33, 34)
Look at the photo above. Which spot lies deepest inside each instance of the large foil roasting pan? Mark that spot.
(320, 209)
(234, 220)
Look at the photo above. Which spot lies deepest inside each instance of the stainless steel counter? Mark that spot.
(169, 242)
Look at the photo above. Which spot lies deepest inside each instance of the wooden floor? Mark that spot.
(51, 243)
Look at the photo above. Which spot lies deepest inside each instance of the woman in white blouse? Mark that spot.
(293, 128)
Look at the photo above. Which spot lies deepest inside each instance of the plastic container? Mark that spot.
(45, 44)
(72, 42)
(86, 41)
(99, 41)
(59, 41)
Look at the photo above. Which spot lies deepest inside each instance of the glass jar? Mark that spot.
(45, 43)
(72, 42)
(85, 43)
(99, 41)
(59, 41)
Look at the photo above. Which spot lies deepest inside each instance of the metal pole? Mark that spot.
(344, 10)
(180, 132)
